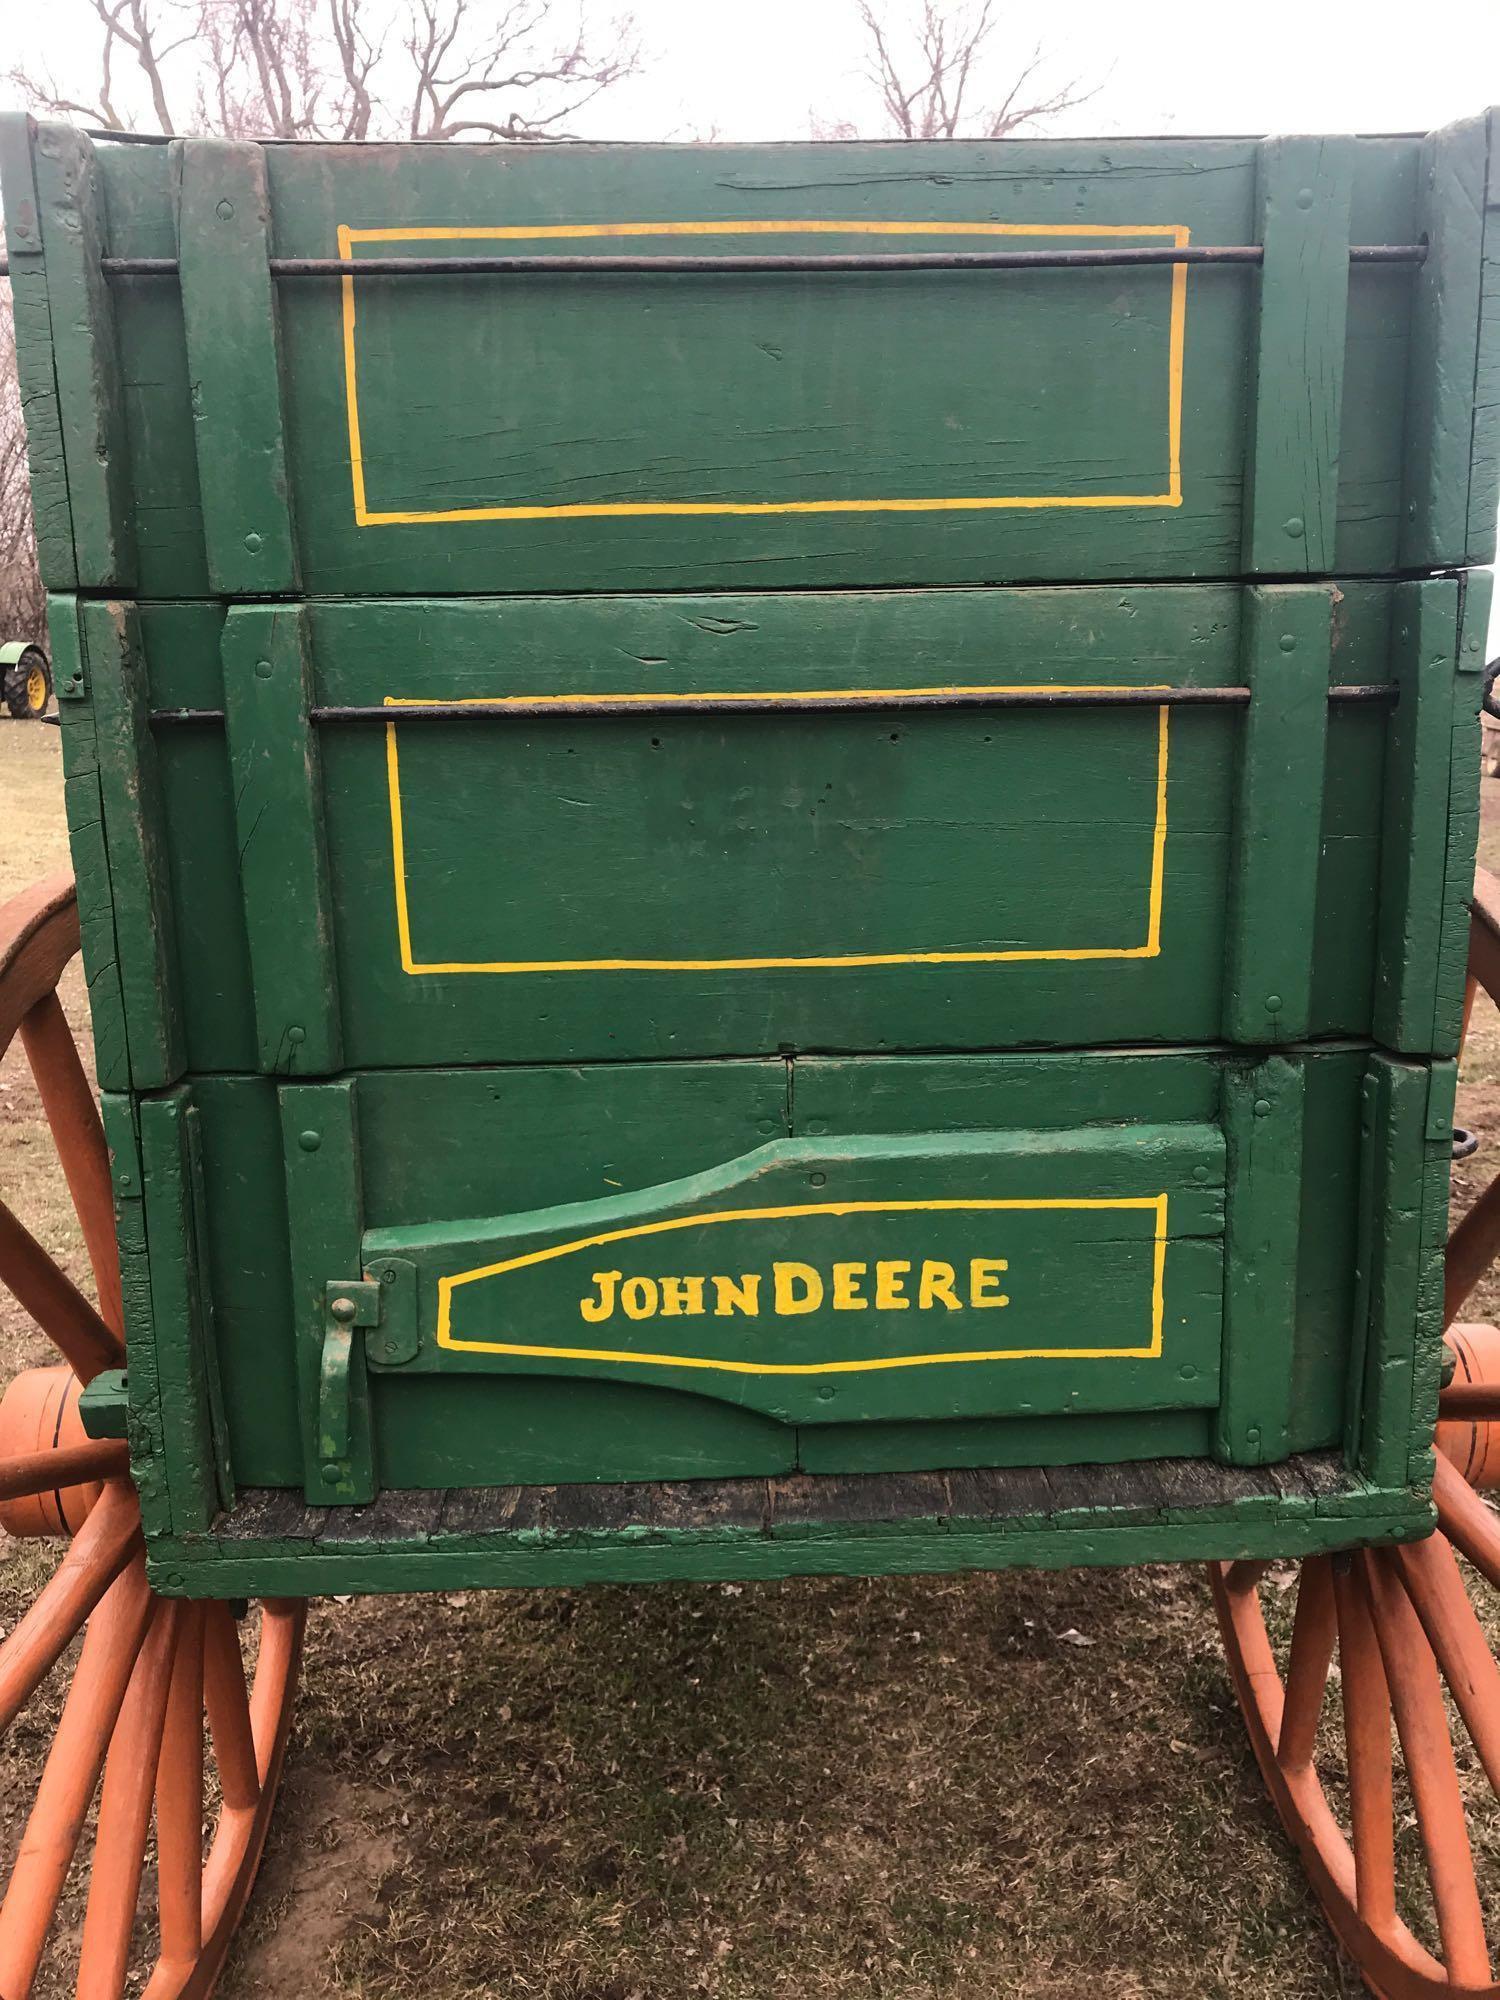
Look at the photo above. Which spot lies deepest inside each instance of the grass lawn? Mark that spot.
(991, 1786)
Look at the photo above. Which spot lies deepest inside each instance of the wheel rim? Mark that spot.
(36, 691)
(1400, 1625)
(162, 1688)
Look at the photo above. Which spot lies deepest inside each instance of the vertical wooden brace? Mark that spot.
(1273, 885)
(139, 882)
(1398, 1318)
(144, 1426)
(229, 311)
(321, 1157)
(38, 382)
(1410, 964)
(1476, 590)
(85, 359)
(1303, 189)
(194, 1444)
(84, 808)
(1445, 358)
(278, 796)
(1263, 1113)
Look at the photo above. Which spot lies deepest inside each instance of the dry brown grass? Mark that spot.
(1002, 1786)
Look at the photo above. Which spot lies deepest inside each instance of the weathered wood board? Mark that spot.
(626, 431)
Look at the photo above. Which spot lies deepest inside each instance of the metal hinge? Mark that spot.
(382, 1306)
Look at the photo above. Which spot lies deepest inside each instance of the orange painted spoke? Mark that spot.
(106, 1542)
(69, 1781)
(55, 1302)
(1472, 1248)
(125, 1814)
(1436, 1588)
(1469, 1524)
(1244, 1574)
(227, 1700)
(1307, 1670)
(283, 1622)
(1367, 1734)
(179, 1800)
(79, 1137)
(71, 1465)
(1422, 1723)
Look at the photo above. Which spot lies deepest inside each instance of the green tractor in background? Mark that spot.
(25, 680)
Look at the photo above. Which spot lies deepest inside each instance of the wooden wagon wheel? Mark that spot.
(1401, 1625)
(160, 1686)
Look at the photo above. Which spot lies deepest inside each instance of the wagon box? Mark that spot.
(774, 855)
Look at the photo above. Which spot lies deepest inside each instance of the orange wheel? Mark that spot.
(173, 1711)
(1383, 1821)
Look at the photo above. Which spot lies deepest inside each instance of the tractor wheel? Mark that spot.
(175, 1712)
(28, 685)
(1383, 1824)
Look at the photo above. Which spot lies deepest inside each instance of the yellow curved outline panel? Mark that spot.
(1157, 1202)
(366, 517)
(1151, 948)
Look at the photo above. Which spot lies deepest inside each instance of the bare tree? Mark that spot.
(933, 71)
(348, 69)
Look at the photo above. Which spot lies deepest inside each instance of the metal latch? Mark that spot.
(383, 1307)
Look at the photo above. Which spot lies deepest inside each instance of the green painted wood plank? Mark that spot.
(34, 366)
(275, 760)
(1303, 193)
(1463, 814)
(1263, 1130)
(139, 880)
(321, 1160)
(1419, 782)
(1278, 825)
(229, 309)
(90, 389)
(148, 1459)
(224, 1569)
(1427, 1333)
(84, 809)
(1445, 347)
(1396, 1282)
(182, 1316)
(1484, 461)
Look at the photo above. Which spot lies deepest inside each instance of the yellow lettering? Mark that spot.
(638, 1296)
(681, 1295)
(936, 1286)
(982, 1291)
(846, 1293)
(787, 1279)
(604, 1305)
(742, 1296)
(890, 1285)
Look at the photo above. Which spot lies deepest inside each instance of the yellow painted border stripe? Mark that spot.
(1158, 1202)
(826, 962)
(365, 517)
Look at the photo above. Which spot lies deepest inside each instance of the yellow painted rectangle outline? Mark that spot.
(448, 1285)
(810, 697)
(571, 231)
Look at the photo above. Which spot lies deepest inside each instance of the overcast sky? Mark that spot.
(762, 69)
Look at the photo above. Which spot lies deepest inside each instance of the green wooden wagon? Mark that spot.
(774, 855)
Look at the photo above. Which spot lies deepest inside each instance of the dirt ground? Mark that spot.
(1002, 1786)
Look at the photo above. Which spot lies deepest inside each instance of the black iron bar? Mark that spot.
(528, 708)
(901, 260)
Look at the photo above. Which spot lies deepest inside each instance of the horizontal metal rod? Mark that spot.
(529, 708)
(750, 266)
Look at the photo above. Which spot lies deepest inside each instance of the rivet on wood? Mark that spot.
(1262, 1107)
(1294, 527)
(309, 1141)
